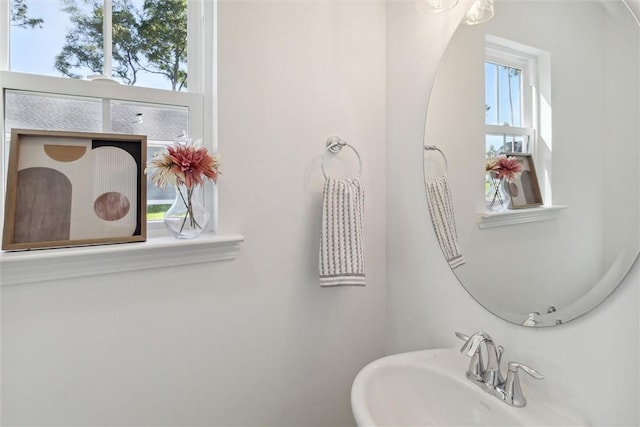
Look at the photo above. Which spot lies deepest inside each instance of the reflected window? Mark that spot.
(503, 94)
(509, 79)
(511, 74)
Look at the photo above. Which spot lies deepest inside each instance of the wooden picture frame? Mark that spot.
(525, 190)
(74, 189)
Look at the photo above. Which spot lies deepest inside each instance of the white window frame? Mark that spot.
(530, 60)
(503, 55)
(159, 250)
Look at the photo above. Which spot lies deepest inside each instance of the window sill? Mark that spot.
(64, 263)
(519, 216)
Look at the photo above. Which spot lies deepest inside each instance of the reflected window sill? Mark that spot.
(490, 219)
(63, 263)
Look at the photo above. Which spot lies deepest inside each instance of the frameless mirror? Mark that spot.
(558, 80)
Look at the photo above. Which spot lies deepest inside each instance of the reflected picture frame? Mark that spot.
(74, 189)
(525, 190)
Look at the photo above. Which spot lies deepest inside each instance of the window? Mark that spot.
(508, 102)
(512, 74)
(36, 94)
(56, 73)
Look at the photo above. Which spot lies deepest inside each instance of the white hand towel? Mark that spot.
(341, 237)
(444, 221)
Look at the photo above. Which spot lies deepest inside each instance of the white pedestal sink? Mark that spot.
(429, 388)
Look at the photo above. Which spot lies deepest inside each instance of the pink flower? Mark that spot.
(504, 167)
(183, 163)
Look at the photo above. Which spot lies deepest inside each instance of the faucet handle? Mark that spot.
(471, 348)
(465, 338)
(462, 336)
(472, 344)
(513, 367)
(512, 390)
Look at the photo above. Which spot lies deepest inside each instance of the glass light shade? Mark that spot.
(435, 6)
(481, 11)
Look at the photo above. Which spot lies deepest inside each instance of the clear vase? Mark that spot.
(497, 197)
(187, 217)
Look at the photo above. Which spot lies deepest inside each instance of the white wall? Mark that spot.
(426, 304)
(255, 341)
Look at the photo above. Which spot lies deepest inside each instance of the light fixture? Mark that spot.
(435, 6)
(481, 11)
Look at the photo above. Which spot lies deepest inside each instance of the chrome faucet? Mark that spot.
(512, 391)
(489, 377)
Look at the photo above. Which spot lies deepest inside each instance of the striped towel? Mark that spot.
(341, 237)
(443, 219)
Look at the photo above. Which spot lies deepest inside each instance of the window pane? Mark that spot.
(162, 32)
(503, 95)
(515, 144)
(493, 145)
(65, 38)
(500, 144)
(491, 93)
(29, 110)
(509, 95)
(37, 36)
(158, 122)
(158, 199)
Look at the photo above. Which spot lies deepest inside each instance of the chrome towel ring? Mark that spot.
(335, 144)
(446, 163)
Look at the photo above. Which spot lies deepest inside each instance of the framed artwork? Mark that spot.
(74, 189)
(525, 190)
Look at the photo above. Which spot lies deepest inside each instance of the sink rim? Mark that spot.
(448, 362)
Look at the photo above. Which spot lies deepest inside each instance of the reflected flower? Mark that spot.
(505, 167)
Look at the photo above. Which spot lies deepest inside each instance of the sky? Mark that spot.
(34, 50)
(498, 99)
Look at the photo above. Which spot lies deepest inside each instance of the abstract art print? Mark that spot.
(73, 189)
(525, 190)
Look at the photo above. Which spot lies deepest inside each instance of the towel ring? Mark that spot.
(446, 163)
(335, 144)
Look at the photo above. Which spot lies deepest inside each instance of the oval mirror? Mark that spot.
(554, 86)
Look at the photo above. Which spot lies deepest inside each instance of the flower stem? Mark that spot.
(189, 204)
(496, 194)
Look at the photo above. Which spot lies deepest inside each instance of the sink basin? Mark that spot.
(429, 388)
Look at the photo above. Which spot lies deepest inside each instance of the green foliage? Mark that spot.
(153, 40)
(126, 42)
(492, 151)
(161, 209)
(163, 31)
(83, 44)
(20, 18)
(156, 212)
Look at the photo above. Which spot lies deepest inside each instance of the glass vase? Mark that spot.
(187, 217)
(497, 197)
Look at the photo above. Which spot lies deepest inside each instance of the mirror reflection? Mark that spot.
(552, 87)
